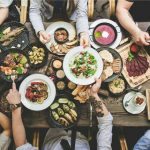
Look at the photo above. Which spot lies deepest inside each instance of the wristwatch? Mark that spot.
(14, 106)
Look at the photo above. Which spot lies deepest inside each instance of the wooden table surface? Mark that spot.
(121, 117)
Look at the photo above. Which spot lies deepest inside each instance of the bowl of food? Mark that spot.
(14, 62)
(61, 35)
(113, 63)
(82, 66)
(38, 55)
(37, 92)
(63, 112)
(13, 35)
(117, 87)
(104, 34)
(139, 100)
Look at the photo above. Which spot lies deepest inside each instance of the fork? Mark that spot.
(13, 77)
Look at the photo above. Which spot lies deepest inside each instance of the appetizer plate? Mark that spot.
(132, 107)
(115, 55)
(118, 33)
(34, 105)
(20, 41)
(2, 57)
(71, 55)
(60, 25)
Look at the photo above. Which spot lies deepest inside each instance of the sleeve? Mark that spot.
(35, 15)
(4, 142)
(26, 147)
(144, 142)
(104, 135)
(5, 3)
(82, 18)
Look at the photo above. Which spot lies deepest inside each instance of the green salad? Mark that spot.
(84, 65)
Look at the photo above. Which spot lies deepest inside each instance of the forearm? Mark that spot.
(5, 123)
(104, 135)
(18, 128)
(126, 21)
(35, 16)
(5, 12)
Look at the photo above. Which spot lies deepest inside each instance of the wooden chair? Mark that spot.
(112, 8)
(122, 139)
(36, 139)
(90, 8)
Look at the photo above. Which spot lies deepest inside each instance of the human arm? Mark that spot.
(144, 142)
(36, 20)
(17, 125)
(82, 23)
(5, 135)
(125, 19)
(104, 135)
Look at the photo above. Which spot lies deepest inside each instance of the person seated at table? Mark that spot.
(123, 12)
(5, 135)
(144, 142)
(59, 139)
(4, 9)
(43, 10)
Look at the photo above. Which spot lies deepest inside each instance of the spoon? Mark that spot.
(127, 102)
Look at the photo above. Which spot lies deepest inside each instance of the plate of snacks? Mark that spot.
(38, 55)
(112, 63)
(37, 92)
(63, 112)
(63, 37)
(83, 65)
(56, 72)
(14, 62)
(134, 103)
(13, 35)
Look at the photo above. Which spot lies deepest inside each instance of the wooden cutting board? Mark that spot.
(138, 80)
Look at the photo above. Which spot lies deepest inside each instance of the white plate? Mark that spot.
(99, 21)
(51, 92)
(132, 108)
(74, 52)
(60, 24)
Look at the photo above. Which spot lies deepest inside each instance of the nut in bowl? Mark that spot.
(82, 66)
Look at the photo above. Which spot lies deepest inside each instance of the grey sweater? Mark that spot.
(37, 15)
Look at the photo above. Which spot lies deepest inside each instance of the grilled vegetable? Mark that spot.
(54, 106)
(63, 121)
(66, 108)
(63, 100)
(73, 112)
(71, 104)
(60, 112)
(55, 115)
(68, 117)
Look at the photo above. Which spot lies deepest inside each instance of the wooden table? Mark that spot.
(121, 117)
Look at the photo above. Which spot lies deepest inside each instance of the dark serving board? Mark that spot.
(3, 55)
(23, 36)
(116, 55)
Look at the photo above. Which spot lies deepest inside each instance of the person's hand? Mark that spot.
(84, 40)
(44, 37)
(13, 96)
(95, 88)
(141, 38)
